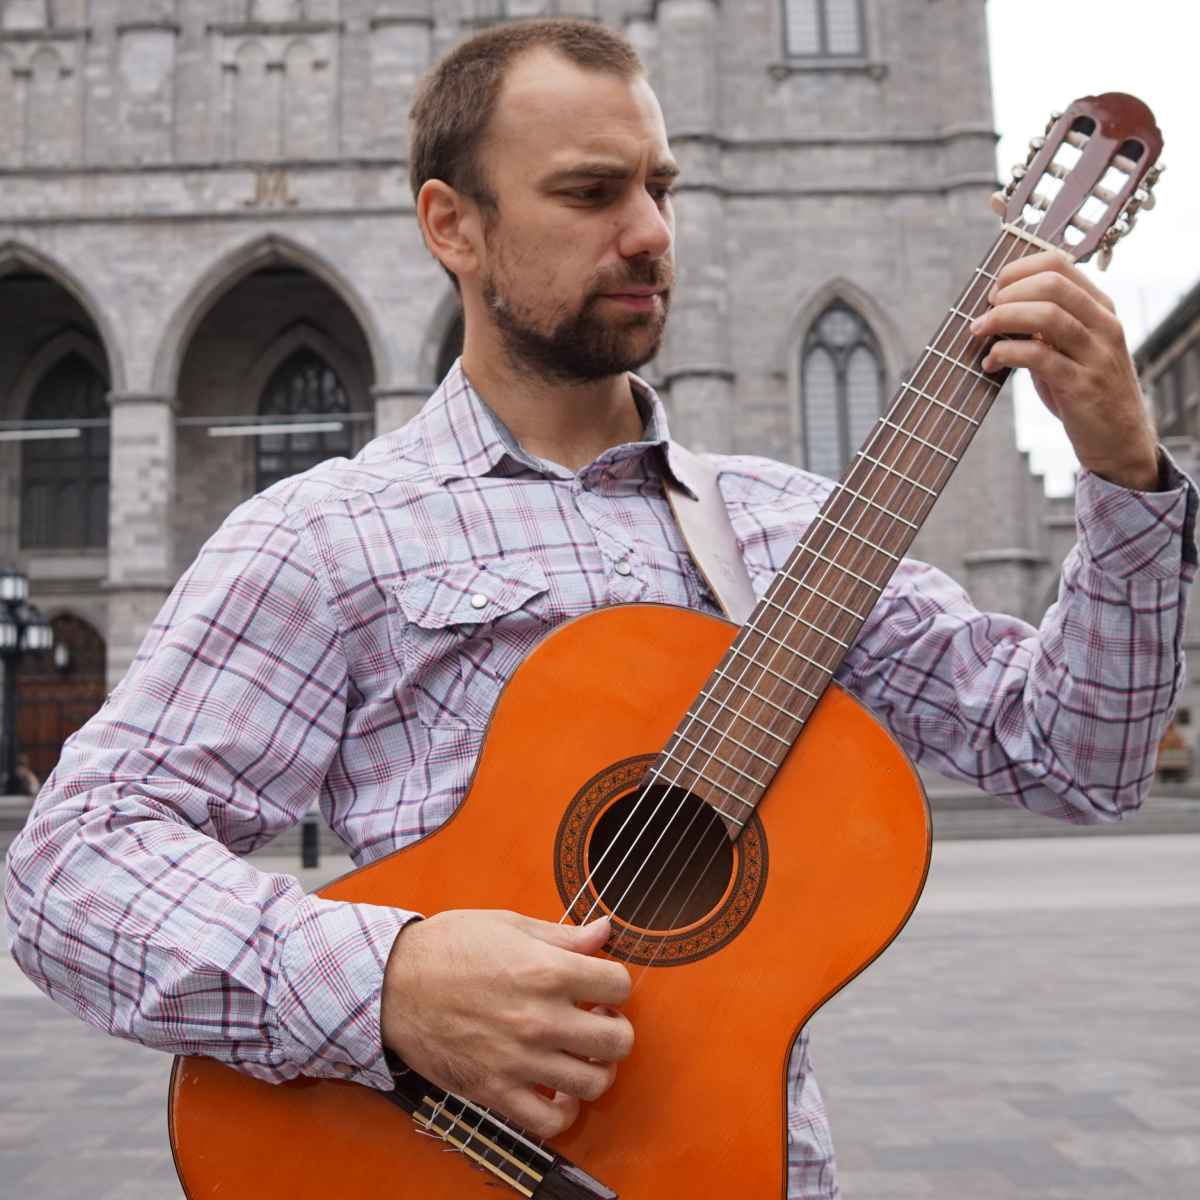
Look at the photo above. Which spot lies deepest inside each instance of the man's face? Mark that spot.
(577, 265)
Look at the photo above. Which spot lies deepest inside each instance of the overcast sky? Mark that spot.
(1045, 53)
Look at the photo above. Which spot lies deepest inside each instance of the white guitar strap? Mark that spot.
(704, 522)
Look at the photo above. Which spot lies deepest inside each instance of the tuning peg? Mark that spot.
(1152, 175)
(1054, 118)
(1144, 198)
(1035, 144)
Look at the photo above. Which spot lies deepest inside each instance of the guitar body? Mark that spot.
(818, 885)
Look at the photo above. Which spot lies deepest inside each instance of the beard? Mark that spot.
(586, 345)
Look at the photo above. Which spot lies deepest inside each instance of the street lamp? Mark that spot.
(23, 630)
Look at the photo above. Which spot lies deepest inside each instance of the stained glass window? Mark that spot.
(303, 385)
(64, 480)
(841, 388)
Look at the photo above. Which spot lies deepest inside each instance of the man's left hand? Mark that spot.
(1074, 347)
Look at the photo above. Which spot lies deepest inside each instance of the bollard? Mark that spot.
(310, 840)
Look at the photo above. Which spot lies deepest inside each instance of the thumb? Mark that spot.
(582, 939)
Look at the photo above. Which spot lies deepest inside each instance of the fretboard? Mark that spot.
(755, 704)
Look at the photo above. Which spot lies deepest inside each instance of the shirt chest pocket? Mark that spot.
(460, 632)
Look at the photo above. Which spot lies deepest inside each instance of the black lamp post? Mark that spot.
(23, 630)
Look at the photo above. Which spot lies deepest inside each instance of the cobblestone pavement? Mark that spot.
(1033, 1032)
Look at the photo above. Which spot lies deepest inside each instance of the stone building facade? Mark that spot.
(205, 227)
(1168, 363)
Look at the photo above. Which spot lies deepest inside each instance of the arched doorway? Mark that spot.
(276, 378)
(58, 695)
(55, 375)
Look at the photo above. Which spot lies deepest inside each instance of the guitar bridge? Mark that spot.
(491, 1144)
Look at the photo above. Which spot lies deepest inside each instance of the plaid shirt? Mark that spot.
(344, 636)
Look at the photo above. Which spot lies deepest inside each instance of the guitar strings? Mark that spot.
(752, 662)
(894, 432)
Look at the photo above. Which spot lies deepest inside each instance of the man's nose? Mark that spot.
(647, 229)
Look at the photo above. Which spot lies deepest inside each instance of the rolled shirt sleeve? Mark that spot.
(127, 899)
(1063, 719)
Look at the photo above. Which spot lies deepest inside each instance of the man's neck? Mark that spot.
(568, 424)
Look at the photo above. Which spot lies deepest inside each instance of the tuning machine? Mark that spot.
(1142, 198)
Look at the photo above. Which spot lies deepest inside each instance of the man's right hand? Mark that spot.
(486, 1004)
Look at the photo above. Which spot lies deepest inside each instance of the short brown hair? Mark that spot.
(456, 98)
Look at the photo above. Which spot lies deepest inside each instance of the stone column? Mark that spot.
(141, 567)
(697, 375)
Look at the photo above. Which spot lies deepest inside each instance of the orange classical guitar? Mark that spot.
(755, 834)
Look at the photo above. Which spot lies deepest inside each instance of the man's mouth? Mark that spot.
(641, 299)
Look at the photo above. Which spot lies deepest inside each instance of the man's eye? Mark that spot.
(661, 191)
(597, 191)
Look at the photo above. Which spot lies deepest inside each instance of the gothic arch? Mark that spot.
(227, 272)
(303, 336)
(787, 356)
(14, 255)
(47, 356)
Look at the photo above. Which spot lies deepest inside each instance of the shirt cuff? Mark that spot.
(1129, 534)
(326, 1011)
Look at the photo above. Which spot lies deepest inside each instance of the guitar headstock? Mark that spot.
(1084, 182)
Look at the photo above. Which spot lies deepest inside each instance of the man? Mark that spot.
(346, 633)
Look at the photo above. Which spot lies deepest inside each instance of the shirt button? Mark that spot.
(344, 1068)
(479, 600)
(623, 567)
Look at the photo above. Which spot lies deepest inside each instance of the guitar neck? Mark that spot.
(764, 689)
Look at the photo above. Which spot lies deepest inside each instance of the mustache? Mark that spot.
(650, 272)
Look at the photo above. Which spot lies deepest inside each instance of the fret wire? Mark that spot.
(859, 537)
(843, 487)
(762, 699)
(725, 737)
(791, 683)
(884, 467)
(693, 715)
(968, 317)
(822, 667)
(670, 757)
(795, 617)
(917, 438)
(713, 756)
(908, 387)
(962, 366)
(986, 274)
(844, 570)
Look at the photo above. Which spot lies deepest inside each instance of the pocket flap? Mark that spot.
(470, 594)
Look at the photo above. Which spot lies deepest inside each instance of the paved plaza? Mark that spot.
(1033, 1033)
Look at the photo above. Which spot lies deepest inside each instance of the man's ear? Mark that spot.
(449, 225)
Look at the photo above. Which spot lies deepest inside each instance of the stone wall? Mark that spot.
(180, 148)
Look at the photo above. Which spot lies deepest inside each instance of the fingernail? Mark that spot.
(976, 325)
(993, 293)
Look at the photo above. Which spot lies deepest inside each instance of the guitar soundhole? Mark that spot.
(660, 859)
(678, 901)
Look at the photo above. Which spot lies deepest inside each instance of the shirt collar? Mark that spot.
(464, 438)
